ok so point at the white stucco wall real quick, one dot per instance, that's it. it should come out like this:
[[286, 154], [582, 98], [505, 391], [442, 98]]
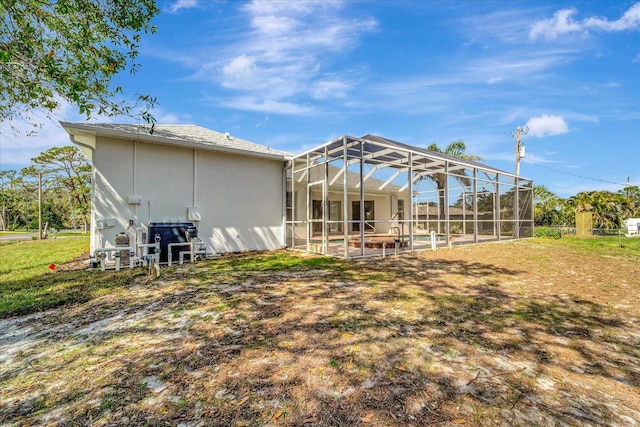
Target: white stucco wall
[[239, 198]]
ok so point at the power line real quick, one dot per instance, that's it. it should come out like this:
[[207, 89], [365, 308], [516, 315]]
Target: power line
[[579, 176]]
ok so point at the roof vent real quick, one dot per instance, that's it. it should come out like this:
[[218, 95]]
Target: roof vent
[[227, 135]]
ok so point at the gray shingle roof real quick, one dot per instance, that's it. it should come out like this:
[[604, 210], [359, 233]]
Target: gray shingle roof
[[190, 135]]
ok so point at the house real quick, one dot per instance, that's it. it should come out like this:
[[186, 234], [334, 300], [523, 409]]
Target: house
[[350, 197], [230, 188]]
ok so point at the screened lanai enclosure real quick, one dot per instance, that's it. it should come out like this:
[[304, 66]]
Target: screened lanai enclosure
[[357, 197]]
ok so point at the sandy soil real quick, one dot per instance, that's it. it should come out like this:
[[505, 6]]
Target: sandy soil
[[523, 333]]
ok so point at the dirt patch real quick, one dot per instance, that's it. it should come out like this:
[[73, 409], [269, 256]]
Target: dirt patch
[[524, 333], [78, 263]]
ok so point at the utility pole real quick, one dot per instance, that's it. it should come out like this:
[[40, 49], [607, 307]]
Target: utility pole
[[519, 147]]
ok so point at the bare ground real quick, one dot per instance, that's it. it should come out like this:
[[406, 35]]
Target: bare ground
[[523, 333]]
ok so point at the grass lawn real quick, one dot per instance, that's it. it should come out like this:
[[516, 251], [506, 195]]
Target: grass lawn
[[536, 332], [29, 285]]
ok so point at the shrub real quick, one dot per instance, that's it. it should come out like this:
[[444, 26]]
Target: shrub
[[547, 233]]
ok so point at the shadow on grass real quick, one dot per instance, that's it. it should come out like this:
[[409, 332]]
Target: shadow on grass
[[337, 343], [53, 289]]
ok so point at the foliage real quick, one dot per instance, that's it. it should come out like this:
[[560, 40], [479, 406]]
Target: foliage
[[72, 174], [548, 208], [631, 195], [66, 182], [546, 232], [609, 209], [18, 198], [70, 50]]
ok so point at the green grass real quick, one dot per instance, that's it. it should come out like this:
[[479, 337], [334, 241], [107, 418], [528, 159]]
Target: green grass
[[21, 260], [273, 261], [625, 247], [70, 234], [27, 285]]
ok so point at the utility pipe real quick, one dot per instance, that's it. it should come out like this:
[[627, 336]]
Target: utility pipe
[[171, 245], [117, 250], [192, 255]]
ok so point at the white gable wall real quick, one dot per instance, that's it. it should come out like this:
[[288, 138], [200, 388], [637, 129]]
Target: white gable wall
[[239, 198]]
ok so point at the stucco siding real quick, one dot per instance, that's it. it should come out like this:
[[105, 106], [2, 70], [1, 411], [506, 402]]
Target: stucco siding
[[239, 198], [113, 166]]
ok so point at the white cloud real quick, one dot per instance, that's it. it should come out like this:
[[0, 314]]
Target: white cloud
[[628, 21], [551, 28], [16, 151], [24, 141], [182, 4], [240, 72], [169, 118], [546, 125], [532, 157], [562, 22], [334, 88], [19, 146], [252, 103], [287, 55]]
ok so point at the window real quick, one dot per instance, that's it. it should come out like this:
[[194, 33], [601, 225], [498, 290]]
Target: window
[[368, 215]]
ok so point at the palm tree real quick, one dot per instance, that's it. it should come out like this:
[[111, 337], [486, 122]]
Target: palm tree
[[546, 206], [455, 149], [608, 209]]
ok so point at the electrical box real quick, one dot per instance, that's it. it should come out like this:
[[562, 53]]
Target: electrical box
[[522, 151], [193, 213], [109, 222], [135, 199]]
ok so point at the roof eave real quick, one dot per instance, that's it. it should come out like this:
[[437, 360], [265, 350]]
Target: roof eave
[[155, 139]]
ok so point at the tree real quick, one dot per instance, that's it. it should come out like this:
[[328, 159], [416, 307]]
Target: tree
[[70, 49], [631, 194], [71, 172], [8, 198], [547, 209], [455, 149], [608, 209]]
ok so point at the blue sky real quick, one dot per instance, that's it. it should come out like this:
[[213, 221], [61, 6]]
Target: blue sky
[[297, 74]]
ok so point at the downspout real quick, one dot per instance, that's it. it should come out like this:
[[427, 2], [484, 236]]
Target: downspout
[[193, 177], [447, 216], [283, 236], [135, 207]]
